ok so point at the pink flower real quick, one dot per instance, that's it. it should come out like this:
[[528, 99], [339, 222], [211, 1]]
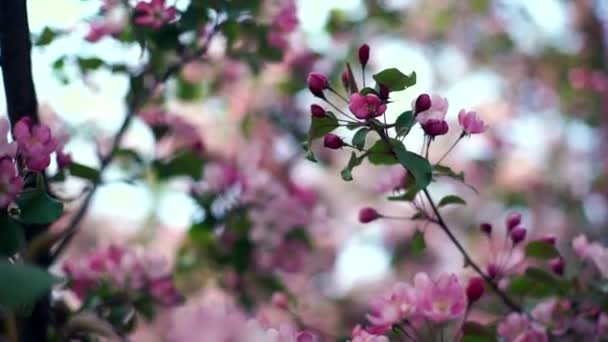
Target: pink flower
[[432, 119], [471, 123], [517, 328], [286, 20], [366, 107], [442, 299], [554, 314], [400, 303], [317, 82], [36, 144], [96, 32], [11, 184], [154, 14], [6, 149], [361, 335]]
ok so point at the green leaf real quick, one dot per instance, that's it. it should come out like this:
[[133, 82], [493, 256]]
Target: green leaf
[[22, 284], [359, 138], [367, 91], [87, 64], [404, 123], [451, 199], [127, 154], [11, 235], [407, 196], [417, 166], [321, 126], [541, 250], [418, 243], [83, 171], [37, 207], [353, 162], [186, 163], [537, 283], [445, 171], [46, 37], [475, 332], [381, 154], [394, 79]]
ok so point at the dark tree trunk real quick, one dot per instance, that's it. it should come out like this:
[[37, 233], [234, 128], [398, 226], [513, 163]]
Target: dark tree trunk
[[15, 57]]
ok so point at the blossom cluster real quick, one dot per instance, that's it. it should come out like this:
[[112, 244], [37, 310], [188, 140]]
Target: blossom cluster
[[33, 146], [123, 270], [283, 23]]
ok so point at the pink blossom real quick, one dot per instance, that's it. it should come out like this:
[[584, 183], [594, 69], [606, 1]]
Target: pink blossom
[[286, 20], [36, 143], [400, 303], [361, 335], [475, 289], [96, 31], [154, 14], [366, 106], [436, 111], [6, 149], [592, 251], [11, 184], [471, 123], [554, 314], [517, 328], [442, 299]]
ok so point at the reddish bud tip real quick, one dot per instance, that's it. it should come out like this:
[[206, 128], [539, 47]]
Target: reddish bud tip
[[333, 141], [317, 82], [475, 289], [364, 54], [423, 102], [435, 128], [383, 92], [550, 239], [486, 228], [280, 300], [518, 234], [558, 265], [317, 111], [513, 220], [344, 79], [368, 214], [492, 270]]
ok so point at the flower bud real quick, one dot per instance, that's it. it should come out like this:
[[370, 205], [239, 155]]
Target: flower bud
[[383, 92], [280, 300], [317, 82], [345, 81], [550, 239], [333, 141], [475, 289], [557, 265], [368, 214], [492, 270], [434, 127], [317, 111], [486, 228], [518, 234], [513, 220], [364, 55], [423, 102]]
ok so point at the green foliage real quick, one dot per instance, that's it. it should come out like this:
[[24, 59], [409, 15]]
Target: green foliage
[[418, 244], [394, 79], [404, 123], [475, 332], [416, 165], [381, 153], [451, 199], [359, 138], [538, 283], [83, 171], [46, 37], [353, 162], [319, 127], [37, 207], [541, 250], [11, 235], [22, 284], [187, 163]]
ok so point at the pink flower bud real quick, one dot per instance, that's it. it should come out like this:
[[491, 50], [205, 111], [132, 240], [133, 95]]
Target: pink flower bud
[[423, 102], [550, 239], [513, 220], [486, 228], [345, 81], [305, 336], [435, 128], [475, 289], [383, 92], [492, 270], [368, 214], [317, 111], [280, 300], [317, 82], [333, 141], [364, 54], [518, 234], [557, 265]]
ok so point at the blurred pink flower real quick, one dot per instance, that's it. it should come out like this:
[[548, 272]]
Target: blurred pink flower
[[471, 123], [518, 328], [286, 20], [366, 106], [154, 14], [6, 149], [361, 335], [554, 314], [436, 111], [96, 31], [442, 299], [11, 184], [36, 143], [389, 309], [593, 252]]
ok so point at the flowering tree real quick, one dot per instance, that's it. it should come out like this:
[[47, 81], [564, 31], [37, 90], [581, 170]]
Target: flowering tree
[[254, 263]]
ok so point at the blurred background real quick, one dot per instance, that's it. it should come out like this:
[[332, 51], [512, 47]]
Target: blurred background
[[535, 71]]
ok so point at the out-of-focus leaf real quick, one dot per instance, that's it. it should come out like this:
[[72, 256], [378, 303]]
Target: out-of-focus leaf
[[418, 243], [541, 250], [394, 79], [186, 163], [451, 199], [11, 235], [83, 171], [46, 37], [37, 207], [475, 332], [22, 284]]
